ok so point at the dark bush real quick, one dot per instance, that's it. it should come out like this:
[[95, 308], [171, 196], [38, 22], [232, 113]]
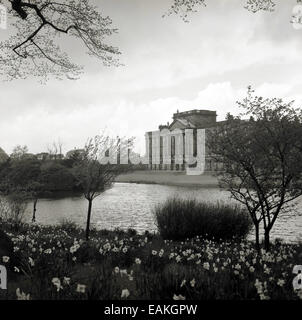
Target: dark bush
[[178, 219]]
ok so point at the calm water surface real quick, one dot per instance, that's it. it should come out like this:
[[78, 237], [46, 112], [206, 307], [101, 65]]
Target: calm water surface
[[129, 205]]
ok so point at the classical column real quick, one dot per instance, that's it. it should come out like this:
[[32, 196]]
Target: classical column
[[200, 167], [189, 147], [165, 134], [179, 145], [155, 149], [148, 159]]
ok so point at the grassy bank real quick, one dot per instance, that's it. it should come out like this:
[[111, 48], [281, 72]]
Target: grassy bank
[[171, 178], [56, 263]]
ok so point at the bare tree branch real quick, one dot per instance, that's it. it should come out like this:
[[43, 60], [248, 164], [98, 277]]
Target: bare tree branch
[[33, 50]]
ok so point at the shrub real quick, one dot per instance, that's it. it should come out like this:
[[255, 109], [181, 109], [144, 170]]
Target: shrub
[[179, 219], [13, 207], [69, 226]]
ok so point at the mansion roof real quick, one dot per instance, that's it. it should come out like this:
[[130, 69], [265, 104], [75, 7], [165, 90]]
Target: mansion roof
[[192, 119]]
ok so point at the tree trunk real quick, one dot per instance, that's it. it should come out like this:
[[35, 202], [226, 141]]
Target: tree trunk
[[257, 236], [266, 239], [88, 218], [34, 210]]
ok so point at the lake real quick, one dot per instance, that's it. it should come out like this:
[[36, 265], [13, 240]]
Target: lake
[[130, 205]]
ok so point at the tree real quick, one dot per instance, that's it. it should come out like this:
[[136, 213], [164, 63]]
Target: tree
[[184, 7], [34, 179], [55, 151], [56, 177], [262, 158], [24, 177], [34, 48], [17, 204], [19, 152], [3, 156], [97, 169]]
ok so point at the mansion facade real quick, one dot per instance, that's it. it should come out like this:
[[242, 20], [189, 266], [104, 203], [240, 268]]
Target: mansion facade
[[181, 145]]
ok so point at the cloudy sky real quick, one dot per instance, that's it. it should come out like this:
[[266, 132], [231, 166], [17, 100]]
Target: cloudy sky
[[168, 65]]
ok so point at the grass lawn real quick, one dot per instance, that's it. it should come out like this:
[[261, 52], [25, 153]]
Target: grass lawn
[[171, 178]]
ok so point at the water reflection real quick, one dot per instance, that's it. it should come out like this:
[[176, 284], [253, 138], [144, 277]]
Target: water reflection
[[130, 206]]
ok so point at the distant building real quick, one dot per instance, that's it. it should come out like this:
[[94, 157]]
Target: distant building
[[29, 156], [3, 155], [58, 156], [167, 148], [48, 156], [42, 156]]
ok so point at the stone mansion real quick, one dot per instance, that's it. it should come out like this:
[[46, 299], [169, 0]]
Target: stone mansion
[[180, 146]]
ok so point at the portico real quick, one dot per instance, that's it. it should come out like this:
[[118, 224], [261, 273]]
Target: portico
[[181, 145]]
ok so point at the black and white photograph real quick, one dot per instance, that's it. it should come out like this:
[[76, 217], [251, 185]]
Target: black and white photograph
[[151, 151]]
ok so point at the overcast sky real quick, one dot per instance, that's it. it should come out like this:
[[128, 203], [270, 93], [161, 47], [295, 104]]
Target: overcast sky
[[168, 65]]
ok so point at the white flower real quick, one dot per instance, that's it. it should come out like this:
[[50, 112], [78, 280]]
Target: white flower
[[107, 246], [280, 282], [125, 293], [125, 250], [252, 269], [138, 261], [31, 262], [154, 253], [21, 295], [178, 258], [171, 255], [74, 248], [81, 288], [66, 280], [192, 283], [183, 283], [123, 272], [116, 270], [299, 294], [206, 266], [179, 297], [237, 266], [5, 259], [57, 283]]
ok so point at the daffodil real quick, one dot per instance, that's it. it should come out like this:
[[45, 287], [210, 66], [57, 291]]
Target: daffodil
[[125, 293], [81, 288], [5, 259]]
